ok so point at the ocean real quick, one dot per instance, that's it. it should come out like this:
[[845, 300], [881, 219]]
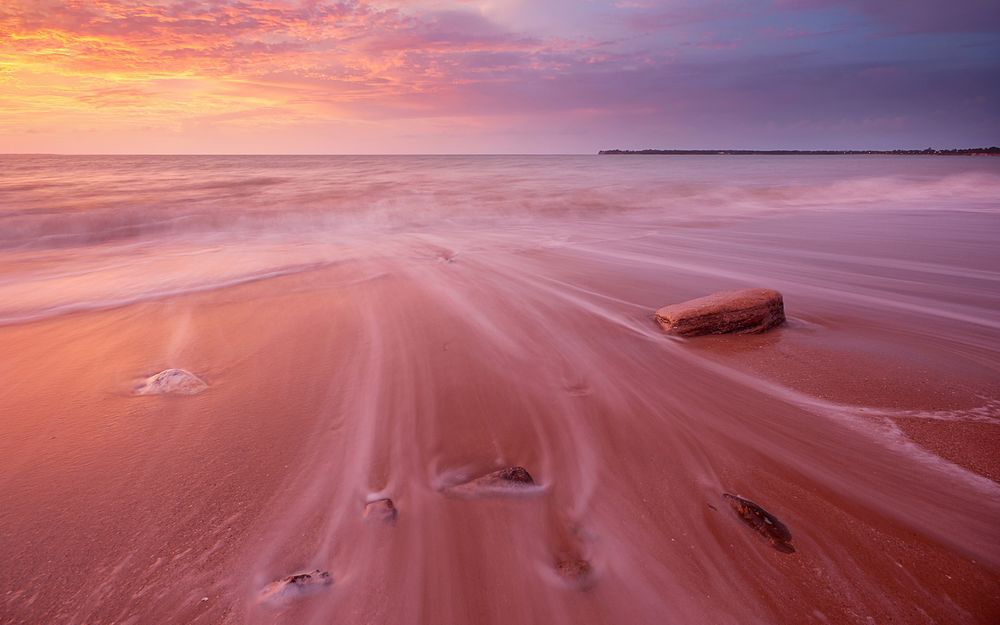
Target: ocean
[[79, 232]]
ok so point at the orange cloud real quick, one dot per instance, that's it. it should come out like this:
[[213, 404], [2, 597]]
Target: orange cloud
[[113, 63]]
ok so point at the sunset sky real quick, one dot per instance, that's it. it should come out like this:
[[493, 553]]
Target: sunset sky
[[430, 76]]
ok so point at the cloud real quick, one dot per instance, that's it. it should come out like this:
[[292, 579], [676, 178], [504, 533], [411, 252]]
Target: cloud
[[915, 16], [396, 68]]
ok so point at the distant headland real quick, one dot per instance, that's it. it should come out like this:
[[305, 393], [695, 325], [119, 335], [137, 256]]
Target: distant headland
[[991, 151]]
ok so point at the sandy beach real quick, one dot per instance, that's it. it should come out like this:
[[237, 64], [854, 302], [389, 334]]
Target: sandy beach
[[401, 365]]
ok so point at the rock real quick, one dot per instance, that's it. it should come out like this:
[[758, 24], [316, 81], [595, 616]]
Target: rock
[[171, 381], [382, 510], [762, 521], [729, 312], [576, 571], [509, 475], [295, 585], [509, 480]]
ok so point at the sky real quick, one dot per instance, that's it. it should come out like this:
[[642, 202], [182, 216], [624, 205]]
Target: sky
[[496, 76]]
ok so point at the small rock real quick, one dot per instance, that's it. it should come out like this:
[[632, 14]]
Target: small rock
[[762, 521], [576, 571], [381, 510], [171, 381], [749, 311], [509, 480], [296, 585], [518, 475]]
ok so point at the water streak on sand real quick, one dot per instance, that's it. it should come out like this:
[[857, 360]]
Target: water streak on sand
[[393, 327]]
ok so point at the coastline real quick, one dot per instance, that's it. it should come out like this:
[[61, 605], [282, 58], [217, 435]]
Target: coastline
[[991, 151]]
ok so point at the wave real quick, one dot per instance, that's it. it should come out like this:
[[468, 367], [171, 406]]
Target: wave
[[80, 206], [79, 234]]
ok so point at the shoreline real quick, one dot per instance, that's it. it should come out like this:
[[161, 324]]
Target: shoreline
[[991, 151]]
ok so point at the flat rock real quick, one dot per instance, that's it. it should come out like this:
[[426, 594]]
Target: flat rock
[[171, 381], [749, 311], [761, 521], [381, 510], [509, 480], [295, 586]]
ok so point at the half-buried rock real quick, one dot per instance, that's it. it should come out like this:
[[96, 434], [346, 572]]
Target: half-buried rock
[[294, 586], [728, 312], [506, 481], [576, 572], [171, 381], [381, 511], [761, 521]]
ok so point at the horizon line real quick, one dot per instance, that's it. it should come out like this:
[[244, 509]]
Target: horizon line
[[594, 153], [298, 153]]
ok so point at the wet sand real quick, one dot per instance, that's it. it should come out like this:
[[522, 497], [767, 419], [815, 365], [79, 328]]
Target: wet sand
[[868, 424]]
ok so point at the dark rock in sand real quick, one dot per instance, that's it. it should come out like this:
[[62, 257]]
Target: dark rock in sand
[[382, 510], [507, 480], [762, 521], [296, 585], [729, 312], [517, 475], [171, 381], [576, 571]]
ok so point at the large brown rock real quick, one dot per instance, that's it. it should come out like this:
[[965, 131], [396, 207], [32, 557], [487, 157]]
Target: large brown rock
[[729, 312]]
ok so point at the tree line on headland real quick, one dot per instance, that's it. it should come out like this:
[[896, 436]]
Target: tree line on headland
[[991, 151]]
